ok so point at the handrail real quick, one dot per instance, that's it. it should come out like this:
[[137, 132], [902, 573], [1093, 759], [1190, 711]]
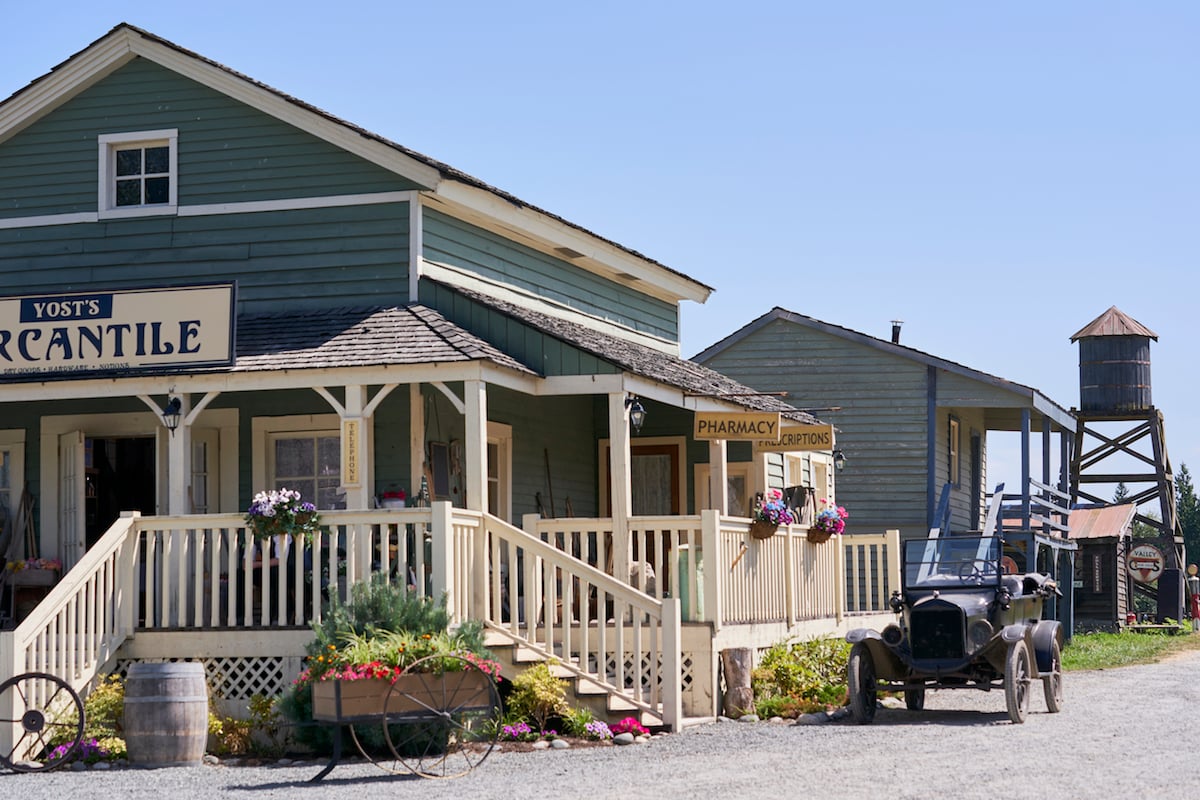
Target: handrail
[[561, 607]]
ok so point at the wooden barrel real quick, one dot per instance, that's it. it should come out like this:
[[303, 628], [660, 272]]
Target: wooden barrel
[[166, 714]]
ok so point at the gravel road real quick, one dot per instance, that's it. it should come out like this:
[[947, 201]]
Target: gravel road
[[1122, 733]]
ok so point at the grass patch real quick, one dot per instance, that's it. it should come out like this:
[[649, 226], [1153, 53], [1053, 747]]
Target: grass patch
[[1108, 650]]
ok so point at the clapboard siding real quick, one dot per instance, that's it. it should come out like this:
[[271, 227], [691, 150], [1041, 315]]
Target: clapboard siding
[[882, 424], [451, 241], [534, 349], [228, 151], [954, 389], [969, 419], [355, 255]]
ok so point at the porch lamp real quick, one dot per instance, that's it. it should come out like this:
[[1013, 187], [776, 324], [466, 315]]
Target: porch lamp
[[170, 414], [839, 460], [637, 414]]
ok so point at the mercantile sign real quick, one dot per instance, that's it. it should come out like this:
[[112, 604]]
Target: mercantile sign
[[119, 331]]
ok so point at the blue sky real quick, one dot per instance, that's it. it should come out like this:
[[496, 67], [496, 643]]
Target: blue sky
[[995, 175]]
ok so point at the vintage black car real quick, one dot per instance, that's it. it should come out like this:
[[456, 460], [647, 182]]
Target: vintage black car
[[964, 622]]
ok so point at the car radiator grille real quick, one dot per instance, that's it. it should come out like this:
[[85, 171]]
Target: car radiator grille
[[937, 633]]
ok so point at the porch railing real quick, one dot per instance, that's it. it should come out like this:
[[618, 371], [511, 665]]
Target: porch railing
[[872, 571]]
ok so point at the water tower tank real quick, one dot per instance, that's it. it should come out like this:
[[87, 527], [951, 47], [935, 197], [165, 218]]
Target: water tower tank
[[1114, 364]]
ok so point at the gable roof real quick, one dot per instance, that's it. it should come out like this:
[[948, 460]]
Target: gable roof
[[639, 359], [1114, 322], [458, 191], [1037, 400]]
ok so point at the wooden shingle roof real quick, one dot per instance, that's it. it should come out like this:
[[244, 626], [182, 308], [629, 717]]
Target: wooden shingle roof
[[1114, 322], [348, 337]]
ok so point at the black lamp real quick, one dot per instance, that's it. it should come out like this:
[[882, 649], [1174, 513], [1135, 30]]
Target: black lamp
[[839, 460], [637, 414], [170, 414]]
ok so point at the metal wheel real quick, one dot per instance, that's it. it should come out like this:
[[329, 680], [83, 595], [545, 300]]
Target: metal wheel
[[442, 717], [1016, 681], [860, 677], [47, 709], [1052, 680]]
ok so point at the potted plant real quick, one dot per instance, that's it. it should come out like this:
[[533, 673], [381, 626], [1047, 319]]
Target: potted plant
[[831, 521], [34, 571], [282, 515], [769, 514]]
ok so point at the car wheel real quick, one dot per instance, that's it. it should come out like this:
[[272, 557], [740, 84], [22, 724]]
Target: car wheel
[[860, 678], [914, 699], [1016, 681], [1052, 680]]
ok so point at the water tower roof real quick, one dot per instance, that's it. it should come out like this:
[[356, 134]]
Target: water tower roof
[[1114, 322]]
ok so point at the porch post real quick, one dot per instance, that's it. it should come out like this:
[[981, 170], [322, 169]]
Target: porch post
[[1026, 425], [416, 440], [475, 479], [356, 434], [672, 678], [718, 475], [710, 547], [441, 532], [621, 490], [179, 471]]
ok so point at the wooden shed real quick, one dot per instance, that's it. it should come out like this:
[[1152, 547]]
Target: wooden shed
[[1102, 585]]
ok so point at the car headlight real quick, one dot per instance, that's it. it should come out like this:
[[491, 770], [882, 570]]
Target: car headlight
[[980, 633], [892, 635]]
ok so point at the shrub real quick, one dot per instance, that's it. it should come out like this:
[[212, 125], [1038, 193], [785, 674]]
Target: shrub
[[103, 725], [537, 695], [797, 677]]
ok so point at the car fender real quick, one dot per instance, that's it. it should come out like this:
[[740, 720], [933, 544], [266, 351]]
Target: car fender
[[859, 634], [1045, 634], [1014, 633]]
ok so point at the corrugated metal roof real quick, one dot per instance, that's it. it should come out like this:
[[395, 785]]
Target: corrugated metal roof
[[1095, 523], [1114, 322]]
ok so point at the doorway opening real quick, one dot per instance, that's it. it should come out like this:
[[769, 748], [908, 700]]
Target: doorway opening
[[119, 475]]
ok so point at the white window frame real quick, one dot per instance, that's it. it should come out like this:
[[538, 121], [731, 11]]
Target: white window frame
[[13, 441], [264, 430], [109, 143], [742, 469], [501, 435]]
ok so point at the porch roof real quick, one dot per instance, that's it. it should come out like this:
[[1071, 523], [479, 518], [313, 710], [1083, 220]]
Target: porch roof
[[639, 359], [349, 337]]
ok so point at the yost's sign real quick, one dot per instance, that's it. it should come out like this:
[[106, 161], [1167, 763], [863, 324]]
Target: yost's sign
[[118, 331]]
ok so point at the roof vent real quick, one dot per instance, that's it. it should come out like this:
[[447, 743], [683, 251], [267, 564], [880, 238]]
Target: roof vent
[[567, 252]]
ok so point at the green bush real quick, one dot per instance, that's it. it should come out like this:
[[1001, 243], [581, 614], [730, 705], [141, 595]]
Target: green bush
[[794, 677], [537, 695]]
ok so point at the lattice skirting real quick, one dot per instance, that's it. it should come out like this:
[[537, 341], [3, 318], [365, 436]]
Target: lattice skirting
[[232, 681]]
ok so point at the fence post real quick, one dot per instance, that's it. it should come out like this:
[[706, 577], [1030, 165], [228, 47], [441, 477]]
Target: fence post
[[672, 679], [893, 560], [714, 566], [441, 530], [839, 569]]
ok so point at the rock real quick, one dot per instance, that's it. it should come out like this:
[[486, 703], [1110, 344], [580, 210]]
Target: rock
[[102, 765], [541, 744], [560, 744], [643, 739], [748, 718], [624, 738], [723, 718], [78, 766], [812, 719], [284, 762], [775, 720], [211, 760]]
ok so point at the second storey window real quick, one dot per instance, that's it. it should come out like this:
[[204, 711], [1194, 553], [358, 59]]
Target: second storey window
[[138, 173]]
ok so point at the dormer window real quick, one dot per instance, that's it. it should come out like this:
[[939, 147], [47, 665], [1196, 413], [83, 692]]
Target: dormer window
[[138, 173]]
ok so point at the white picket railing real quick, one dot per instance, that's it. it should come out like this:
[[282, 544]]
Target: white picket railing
[[600, 628], [872, 571]]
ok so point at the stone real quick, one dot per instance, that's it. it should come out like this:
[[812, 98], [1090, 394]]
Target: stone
[[624, 738], [78, 766], [748, 718], [560, 744], [284, 762], [775, 720], [541, 744], [211, 760], [102, 765]]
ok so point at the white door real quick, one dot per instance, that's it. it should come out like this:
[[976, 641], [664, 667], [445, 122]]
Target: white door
[[72, 526]]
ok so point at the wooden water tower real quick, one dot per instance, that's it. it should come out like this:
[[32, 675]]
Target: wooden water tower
[[1114, 388]]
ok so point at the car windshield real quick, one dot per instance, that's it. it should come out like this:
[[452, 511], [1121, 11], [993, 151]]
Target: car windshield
[[951, 561]]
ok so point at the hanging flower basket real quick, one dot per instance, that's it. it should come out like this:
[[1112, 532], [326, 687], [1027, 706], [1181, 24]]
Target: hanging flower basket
[[817, 536], [762, 530]]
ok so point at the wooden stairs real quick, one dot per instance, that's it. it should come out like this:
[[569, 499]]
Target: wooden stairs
[[581, 691]]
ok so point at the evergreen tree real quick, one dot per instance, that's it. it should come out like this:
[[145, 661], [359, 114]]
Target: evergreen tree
[[1122, 493], [1188, 509]]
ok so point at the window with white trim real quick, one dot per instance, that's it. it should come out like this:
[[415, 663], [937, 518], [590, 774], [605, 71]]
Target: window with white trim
[[12, 475], [138, 173]]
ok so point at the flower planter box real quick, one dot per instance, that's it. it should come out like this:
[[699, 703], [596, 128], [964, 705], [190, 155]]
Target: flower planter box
[[413, 694], [33, 577]]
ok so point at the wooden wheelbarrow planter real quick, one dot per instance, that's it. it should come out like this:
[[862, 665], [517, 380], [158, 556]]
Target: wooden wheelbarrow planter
[[436, 724]]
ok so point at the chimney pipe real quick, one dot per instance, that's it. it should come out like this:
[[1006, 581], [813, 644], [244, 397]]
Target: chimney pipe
[[896, 323]]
